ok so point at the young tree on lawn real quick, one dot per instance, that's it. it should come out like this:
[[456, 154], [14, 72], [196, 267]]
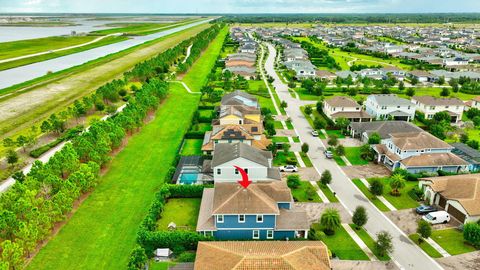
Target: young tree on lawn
[[441, 80], [138, 258], [383, 245], [333, 140], [376, 187], [310, 192], [401, 86], [445, 92], [319, 123], [342, 123], [22, 142], [319, 106], [283, 104], [305, 148], [12, 157], [410, 92], [8, 142], [330, 220], [366, 152], [374, 138], [286, 148], [414, 81], [326, 177], [272, 148], [293, 181], [360, 216], [397, 182], [424, 229], [308, 110], [340, 150]]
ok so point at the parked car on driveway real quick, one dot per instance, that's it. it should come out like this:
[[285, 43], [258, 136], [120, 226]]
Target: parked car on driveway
[[328, 154], [289, 168], [425, 209], [314, 133], [437, 217]]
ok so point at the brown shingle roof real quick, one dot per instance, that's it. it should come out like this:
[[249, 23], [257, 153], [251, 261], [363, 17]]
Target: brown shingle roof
[[418, 141], [464, 188], [341, 101], [437, 159], [292, 219], [262, 255], [429, 100], [358, 114]]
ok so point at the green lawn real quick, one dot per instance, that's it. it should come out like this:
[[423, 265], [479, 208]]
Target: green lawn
[[102, 232], [306, 160], [197, 75], [339, 160], [425, 246], [205, 113], [305, 95], [435, 92], [140, 28], [281, 159], [192, 147], [277, 139], [382, 207], [452, 241], [266, 103], [296, 139], [183, 212], [202, 127], [289, 124], [405, 200], [328, 192], [368, 240], [353, 155], [342, 245], [278, 124], [300, 195], [337, 133]]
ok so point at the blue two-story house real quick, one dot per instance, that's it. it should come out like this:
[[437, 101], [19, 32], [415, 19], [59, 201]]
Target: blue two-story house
[[261, 211]]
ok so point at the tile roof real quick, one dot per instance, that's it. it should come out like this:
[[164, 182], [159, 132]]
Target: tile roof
[[464, 188], [262, 255]]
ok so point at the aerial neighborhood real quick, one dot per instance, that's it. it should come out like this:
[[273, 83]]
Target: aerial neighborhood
[[272, 142]]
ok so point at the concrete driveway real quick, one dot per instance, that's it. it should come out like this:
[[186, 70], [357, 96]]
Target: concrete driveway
[[315, 210], [407, 220], [306, 174], [362, 265], [469, 260], [366, 171]]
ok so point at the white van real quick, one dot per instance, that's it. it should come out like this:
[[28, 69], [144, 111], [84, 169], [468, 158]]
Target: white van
[[437, 217]]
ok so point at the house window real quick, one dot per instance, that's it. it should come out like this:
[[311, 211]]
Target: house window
[[208, 233], [259, 218], [219, 218], [246, 171], [256, 234], [446, 107], [219, 171], [229, 141], [241, 218], [270, 234], [432, 107], [236, 171]]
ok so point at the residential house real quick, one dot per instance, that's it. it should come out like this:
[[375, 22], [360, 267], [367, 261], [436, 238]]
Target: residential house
[[459, 195], [239, 97], [475, 102], [397, 73], [470, 155], [264, 255], [325, 75], [302, 68], [372, 73], [244, 71], [363, 131], [387, 106], [345, 107], [432, 105], [422, 76], [263, 210], [345, 73], [250, 134]]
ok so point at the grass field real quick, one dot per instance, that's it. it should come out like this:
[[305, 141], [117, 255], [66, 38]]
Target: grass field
[[306, 160], [197, 75], [328, 192], [108, 219], [370, 196], [452, 241], [44, 57], [342, 245], [425, 246], [281, 159], [192, 147], [405, 200], [368, 240], [183, 212], [353, 155], [300, 194], [140, 28], [34, 106]]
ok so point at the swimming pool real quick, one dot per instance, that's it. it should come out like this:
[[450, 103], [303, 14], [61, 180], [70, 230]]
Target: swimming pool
[[188, 176]]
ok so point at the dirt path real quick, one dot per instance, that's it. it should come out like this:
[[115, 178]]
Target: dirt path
[[27, 108]]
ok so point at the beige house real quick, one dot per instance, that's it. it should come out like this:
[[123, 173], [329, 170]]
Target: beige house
[[346, 107], [432, 105], [459, 195]]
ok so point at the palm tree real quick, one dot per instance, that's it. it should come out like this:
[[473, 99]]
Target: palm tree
[[397, 182], [330, 220]]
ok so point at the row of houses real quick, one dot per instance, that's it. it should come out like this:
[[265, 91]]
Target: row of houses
[[295, 58], [242, 63]]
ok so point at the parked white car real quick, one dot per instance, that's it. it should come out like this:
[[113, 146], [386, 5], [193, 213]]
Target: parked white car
[[289, 168], [437, 217], [314, 133]]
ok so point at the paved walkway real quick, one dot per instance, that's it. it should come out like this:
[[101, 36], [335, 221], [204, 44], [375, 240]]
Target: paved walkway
[[320, 192], [437, 247], [406, 253], [300, 160], [189, 49], [187, 88], [381, 198], [344, 158], [359, 241]]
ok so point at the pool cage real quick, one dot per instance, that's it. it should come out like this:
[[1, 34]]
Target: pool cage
[[189, 170]]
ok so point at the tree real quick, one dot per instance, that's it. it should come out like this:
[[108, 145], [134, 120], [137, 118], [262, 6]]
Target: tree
[[326, 177], [471, 233], [401, 86], [330, 220], [383, 245], [441, 117], [376, 187], [410, 92], [22, 141], [8, 142], [12, 255], [319, 123], [366, 152], [374, 138], [283, 104], [441, 80], [445, 92], [12, 157], [308, 110], [397, 182], [45, 127], [360, 216], [286, 148], [342, 123], [414, 81], [332, 140], [293, 181], [424, 229], [305, 148], [138, 258], [340, 150]]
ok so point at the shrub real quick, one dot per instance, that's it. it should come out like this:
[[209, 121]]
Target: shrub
[[374, 138], [305, 148], [138, 258], [293, 181], [186, 257], [471, 233], [383, 245], [291, 161], [376, 187], [360, 216], [330, 220], [424, 229], [340, 150], [326, 177]]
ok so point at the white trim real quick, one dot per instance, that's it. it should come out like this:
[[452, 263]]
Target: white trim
[[244, 218], [273, 234], [240, 229], [259, 221], [218, 220], [253, 234]]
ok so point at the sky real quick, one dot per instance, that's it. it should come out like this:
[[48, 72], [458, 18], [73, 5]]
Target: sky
[[239, 6]]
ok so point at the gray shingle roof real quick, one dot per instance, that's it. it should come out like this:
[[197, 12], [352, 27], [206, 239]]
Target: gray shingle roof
[[384, 128], [225, 152], [391, 100]]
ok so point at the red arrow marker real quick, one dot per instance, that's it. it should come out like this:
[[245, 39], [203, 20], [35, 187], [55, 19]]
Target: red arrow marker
[[245, 182]]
